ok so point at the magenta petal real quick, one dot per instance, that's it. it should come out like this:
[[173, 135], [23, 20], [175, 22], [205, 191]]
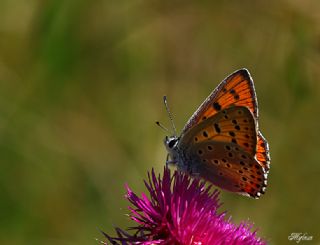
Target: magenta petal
[[180, 210]]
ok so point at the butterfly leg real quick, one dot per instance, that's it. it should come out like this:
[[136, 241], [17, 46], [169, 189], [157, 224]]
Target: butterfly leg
[[196, 175], [192, 170], [168, 161]]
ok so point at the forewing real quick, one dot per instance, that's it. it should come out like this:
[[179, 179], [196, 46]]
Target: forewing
[[237, 89]]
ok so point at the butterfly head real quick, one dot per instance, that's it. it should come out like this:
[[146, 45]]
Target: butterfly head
[[171, 144]]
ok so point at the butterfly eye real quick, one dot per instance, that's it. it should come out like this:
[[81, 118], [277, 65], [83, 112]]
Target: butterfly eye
[[172, 143]]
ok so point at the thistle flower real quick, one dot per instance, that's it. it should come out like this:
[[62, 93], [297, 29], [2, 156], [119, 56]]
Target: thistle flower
[[180, 210]]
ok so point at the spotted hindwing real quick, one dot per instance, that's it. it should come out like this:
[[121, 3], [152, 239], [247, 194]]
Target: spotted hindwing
[[229, 167], [221, 149]]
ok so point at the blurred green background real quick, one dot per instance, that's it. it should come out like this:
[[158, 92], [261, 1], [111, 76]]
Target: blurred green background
[[81, 85]]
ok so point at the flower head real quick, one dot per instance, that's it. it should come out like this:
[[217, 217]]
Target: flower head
[[180, 210]]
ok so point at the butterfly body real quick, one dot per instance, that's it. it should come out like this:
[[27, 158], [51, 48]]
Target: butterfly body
[[221, 141]]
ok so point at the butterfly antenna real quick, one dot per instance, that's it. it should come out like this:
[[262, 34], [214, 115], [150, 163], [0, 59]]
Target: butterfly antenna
[[161, 126], [170, 115]]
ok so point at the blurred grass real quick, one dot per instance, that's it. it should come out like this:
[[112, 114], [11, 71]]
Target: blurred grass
[[81, 84]]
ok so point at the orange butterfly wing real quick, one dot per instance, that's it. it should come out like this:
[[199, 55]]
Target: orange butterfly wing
[[262, 152], [237, 89]]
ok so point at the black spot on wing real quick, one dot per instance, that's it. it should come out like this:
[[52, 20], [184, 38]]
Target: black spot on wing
[[216, 106]]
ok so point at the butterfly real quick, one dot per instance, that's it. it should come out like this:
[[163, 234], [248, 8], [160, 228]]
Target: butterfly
[[221, 142]]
